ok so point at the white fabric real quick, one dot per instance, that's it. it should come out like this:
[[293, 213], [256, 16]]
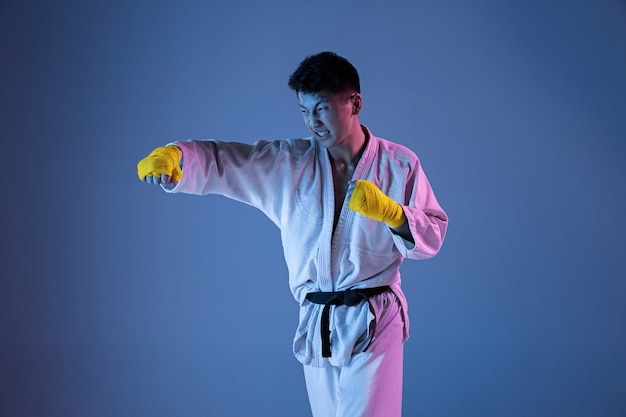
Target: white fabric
[[291, 182], [370, 385]]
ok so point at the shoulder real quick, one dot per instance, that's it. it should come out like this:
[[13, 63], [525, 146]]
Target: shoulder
[[395, 151], [280, 145], [298, 144], [293, 146]]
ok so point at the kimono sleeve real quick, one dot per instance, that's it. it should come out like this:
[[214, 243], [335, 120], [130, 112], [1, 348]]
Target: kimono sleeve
[[427, 220], [250, 173]]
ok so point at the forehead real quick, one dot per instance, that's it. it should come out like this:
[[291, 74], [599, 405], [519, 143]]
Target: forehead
[[313, 99]]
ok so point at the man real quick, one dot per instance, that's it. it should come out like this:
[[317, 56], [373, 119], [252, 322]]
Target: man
[[350, 207]]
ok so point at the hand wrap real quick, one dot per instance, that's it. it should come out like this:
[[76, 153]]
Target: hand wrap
[[163, 160], [368, 200]]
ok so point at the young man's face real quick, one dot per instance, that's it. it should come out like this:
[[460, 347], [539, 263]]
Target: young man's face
[[331, 117]]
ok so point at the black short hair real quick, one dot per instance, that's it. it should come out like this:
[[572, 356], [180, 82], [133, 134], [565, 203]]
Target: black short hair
[[325, 71]]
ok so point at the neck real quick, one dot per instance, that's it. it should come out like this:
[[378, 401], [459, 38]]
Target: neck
[[349, 153]]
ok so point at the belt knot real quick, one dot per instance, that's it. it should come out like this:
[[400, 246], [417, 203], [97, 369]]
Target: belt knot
[[349, 298]]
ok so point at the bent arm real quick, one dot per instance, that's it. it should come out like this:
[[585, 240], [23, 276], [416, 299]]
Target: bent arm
[[423, 233], [404, 231]]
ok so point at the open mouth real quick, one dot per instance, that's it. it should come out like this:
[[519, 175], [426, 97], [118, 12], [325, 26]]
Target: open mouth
[[322, 133]]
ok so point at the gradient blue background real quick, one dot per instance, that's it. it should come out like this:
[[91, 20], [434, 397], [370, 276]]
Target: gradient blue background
[[119, 300]]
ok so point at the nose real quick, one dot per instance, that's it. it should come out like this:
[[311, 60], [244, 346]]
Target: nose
[[313, 121]]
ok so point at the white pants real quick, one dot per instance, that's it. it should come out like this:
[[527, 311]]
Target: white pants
[[370, 385]]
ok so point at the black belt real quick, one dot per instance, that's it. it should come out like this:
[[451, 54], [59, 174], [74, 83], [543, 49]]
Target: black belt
[[337, 298]]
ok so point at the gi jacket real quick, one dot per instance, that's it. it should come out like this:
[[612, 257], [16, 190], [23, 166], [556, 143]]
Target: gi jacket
[[291, 182]]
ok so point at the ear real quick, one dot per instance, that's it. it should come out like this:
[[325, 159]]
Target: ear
[[357, 104]]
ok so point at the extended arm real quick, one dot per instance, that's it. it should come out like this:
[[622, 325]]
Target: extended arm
[[163, 166]]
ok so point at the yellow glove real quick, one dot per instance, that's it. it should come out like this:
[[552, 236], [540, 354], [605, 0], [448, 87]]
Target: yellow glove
[[163, 160], [368, 200]]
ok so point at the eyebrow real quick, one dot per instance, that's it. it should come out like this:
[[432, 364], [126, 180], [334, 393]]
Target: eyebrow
[[317, 103]]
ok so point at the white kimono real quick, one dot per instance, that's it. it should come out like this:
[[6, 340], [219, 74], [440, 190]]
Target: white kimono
[[291, 182]]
